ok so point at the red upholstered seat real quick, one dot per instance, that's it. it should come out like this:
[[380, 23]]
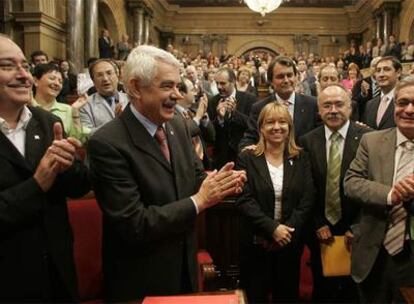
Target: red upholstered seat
[[306, 283], [86, 220]]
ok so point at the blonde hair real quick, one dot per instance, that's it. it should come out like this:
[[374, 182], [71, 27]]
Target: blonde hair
[[279, 110]]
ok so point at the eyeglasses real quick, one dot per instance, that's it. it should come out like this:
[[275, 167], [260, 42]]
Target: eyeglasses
[[403, 103], [11, 66]]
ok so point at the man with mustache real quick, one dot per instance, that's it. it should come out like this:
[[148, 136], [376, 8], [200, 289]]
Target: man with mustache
[[381, 178], [334, 214], [150, 185], [229, 111], [38, 172]]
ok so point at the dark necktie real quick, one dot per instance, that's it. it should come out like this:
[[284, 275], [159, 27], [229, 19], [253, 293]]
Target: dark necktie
[[162, 141]]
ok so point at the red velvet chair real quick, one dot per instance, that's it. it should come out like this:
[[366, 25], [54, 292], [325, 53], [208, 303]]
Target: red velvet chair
[[86, 220]]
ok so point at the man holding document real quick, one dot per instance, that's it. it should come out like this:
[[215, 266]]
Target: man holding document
[[381, 177], [334, 213]]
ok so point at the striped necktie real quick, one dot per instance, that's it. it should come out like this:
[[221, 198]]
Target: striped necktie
[[395, 235], [377, 90], [161, 138], [332, 197]]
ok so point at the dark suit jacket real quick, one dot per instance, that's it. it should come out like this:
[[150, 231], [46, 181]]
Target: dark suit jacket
[[105, 48], [35, 235], [371, 110], [229, 135], [314, 143], [369, 179], [257, 202], [305, 118], [148, 236], [359, 98]]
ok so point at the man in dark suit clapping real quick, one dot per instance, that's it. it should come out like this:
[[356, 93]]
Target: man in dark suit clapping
[[229, 111], [151, 186]]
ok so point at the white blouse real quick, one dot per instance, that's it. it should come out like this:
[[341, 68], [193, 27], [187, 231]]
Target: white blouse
[[276, 175]]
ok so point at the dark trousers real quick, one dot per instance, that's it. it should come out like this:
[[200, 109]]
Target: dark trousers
[[329, 289], [270, 276], [388, 274]]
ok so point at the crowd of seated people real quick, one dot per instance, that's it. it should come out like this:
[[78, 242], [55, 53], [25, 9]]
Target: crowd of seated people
[[218, 99]]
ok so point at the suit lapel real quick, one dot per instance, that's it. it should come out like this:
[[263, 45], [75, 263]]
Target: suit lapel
[[288, 172], [389, 113], [350, 146], [36, 143], [259, 162], [299, 109], [321, 159], [9, 152], [141, 139], [386, 153]]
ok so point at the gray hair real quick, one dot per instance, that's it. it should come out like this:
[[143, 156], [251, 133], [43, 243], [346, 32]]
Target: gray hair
[[405, 82], [143, 61]]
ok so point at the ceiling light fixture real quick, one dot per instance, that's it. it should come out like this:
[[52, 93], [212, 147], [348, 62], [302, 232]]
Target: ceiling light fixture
[[263, 6]]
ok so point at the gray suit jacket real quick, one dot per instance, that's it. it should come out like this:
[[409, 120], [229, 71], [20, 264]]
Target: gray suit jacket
[[369, 180], [97, 112]]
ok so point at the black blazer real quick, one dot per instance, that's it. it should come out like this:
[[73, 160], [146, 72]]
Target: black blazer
[[371, 110], [34, 229], [229, 135], [359, 98], [148, 216], [105, 48], [314, 143], [257, 202], [305, 118]]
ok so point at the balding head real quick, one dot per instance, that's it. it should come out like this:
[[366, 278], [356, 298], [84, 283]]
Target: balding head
[[334, 105]]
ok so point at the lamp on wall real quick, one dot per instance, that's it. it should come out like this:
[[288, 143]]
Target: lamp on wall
[[263, 6]]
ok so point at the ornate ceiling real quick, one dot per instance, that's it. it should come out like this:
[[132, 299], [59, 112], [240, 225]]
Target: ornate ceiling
[[287, 3]]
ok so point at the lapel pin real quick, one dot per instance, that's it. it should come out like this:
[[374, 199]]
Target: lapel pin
[[37, 137], [171, 132], [290, 162], [356, 137]]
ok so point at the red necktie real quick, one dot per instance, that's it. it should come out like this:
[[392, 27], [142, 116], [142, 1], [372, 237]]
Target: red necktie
[[162, 141]]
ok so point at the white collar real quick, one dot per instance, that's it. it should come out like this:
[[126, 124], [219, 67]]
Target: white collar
[[343, 131]]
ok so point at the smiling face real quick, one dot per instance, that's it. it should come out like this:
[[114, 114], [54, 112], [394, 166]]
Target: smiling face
[[386, 75], [404, 111], [284, 80], [15, 78], [334, 107], [275, 129], [157, 100], [49, 85]]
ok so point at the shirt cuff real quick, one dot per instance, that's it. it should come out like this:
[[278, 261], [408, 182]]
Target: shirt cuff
[[389, 203], [195, 205]]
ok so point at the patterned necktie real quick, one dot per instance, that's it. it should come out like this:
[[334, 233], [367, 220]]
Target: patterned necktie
[[381, 109], [162, 141], [395, 235], [332, 197], [376, 91]]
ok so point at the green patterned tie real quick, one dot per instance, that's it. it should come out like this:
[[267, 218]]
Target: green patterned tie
[[332, 197]]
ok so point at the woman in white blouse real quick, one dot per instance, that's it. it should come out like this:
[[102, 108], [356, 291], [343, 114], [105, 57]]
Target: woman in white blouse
[[275, 205]]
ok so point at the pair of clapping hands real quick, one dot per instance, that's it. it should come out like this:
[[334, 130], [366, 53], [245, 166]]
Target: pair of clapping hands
[[218, 185], [403, 190], [226, 105], [57, 158]]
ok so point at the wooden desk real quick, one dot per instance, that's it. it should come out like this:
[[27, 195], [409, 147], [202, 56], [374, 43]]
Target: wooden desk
[[202, 297], [408, 294]]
